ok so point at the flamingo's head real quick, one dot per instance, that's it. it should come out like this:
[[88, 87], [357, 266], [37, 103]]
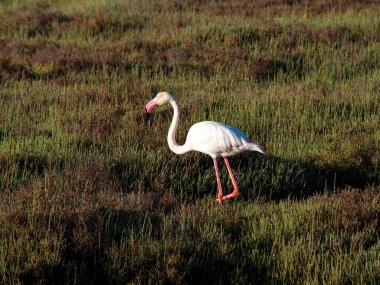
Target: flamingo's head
[[160, 99]]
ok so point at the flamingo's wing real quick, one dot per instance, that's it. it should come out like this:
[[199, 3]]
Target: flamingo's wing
[[216, 139]]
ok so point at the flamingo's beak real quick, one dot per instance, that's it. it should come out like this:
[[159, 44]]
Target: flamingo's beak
[[150, 107], [147, 116]]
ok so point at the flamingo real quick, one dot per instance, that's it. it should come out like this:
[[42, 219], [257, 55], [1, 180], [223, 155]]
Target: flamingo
[[212, 138]]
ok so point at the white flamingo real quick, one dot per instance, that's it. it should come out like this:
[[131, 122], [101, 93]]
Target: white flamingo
[[212, 138]]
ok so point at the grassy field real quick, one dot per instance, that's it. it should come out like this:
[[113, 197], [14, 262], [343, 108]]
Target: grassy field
[[91, 194]]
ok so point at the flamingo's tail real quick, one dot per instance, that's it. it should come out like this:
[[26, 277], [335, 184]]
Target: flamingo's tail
[[256, 147]]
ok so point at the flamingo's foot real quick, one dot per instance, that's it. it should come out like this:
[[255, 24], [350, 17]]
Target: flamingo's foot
[[220, 199], [233, 194]]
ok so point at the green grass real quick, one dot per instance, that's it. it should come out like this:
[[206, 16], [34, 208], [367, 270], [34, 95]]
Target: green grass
[[90, 192]]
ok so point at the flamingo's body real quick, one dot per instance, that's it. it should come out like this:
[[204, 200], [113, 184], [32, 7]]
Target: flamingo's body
[[212, 138], [216, 139]]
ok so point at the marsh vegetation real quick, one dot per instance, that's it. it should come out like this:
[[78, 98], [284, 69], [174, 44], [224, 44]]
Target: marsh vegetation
[[90, 193]]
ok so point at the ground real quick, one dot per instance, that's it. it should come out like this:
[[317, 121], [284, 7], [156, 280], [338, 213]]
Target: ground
[[90, 193]]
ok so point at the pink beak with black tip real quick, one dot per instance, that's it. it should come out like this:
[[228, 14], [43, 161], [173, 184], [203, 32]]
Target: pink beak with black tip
[[150, 107]]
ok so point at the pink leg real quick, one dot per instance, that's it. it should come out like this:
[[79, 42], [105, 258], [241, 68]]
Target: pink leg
[[236, 189], [220, 191]]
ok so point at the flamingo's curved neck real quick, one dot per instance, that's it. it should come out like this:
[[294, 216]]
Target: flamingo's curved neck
[[178, 149]]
